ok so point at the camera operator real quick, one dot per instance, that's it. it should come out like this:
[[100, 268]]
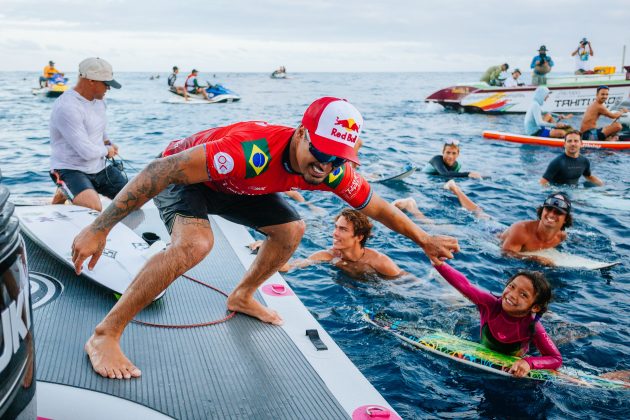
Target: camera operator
[[541, 64], [582, 55]]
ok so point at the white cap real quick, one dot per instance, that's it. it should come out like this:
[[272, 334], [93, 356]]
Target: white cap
[[95, 68]]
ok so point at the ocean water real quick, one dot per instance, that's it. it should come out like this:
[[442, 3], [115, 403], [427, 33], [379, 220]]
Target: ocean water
[[590, 314]]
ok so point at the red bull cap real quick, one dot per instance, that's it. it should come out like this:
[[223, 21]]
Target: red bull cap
[[334, 126]]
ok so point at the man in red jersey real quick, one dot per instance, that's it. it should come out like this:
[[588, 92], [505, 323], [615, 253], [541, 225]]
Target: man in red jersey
[[236, 172]]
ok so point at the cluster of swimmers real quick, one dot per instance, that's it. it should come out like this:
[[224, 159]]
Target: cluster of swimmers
[[509, 323]]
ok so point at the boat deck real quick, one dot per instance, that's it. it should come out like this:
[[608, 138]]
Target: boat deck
[[241, 368]]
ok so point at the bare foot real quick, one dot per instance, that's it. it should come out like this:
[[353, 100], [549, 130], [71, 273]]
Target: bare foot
[[450, 185], [621, 375], [108, 359], [250, 306], [408, 204]]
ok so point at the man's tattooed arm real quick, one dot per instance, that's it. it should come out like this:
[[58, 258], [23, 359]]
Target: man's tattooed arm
[[188, 167]]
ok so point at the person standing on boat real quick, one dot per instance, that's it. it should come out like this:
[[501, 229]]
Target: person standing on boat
[[594, 111], [582, 55], [193, 86], [171, 84], [568, 167], [542, 126], [236, 171], [79, 142], [446, 164], [541, 65], [513, 80], [49, 72], [492, 76]]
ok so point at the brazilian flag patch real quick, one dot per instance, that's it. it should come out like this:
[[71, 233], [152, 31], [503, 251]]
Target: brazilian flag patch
[[257, 157], [334, 178]]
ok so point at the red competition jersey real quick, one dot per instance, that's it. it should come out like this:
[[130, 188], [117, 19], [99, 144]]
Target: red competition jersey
[[253, 158]]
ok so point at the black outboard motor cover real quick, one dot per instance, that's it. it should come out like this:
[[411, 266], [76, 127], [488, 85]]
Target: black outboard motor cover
[[17, 348]]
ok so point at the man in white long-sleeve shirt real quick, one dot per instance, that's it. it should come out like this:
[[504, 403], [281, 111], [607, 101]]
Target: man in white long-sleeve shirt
[[79, 142]]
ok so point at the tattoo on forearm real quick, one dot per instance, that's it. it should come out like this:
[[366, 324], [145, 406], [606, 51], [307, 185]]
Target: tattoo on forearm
[[154, 178]]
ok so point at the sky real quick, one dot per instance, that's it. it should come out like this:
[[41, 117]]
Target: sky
[[308, 36]]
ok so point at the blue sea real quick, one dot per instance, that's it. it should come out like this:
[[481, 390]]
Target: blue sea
[[590, 313]]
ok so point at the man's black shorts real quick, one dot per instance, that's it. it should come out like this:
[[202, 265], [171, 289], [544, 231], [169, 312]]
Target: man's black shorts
[[197, 200], [108, 182]]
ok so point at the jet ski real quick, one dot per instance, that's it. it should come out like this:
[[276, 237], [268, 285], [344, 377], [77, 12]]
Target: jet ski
[[217, 93], [55, 86]]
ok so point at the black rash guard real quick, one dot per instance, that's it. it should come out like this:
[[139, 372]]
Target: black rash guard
[[567, 170]]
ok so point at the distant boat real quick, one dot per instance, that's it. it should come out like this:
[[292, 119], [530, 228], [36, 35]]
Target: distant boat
[[569, 94], [277, 74]]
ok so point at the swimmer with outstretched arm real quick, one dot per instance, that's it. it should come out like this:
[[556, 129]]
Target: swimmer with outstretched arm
[[511, 321]]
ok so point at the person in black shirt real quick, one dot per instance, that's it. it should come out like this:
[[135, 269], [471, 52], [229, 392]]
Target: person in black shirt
[[446, 164], [570, 166]]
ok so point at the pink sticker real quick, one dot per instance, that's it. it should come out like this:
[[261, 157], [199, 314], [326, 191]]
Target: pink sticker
[[277, 290], [374, 412]]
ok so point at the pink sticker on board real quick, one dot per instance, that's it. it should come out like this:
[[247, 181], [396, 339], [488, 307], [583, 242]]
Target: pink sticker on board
[[277, 290], [374, 412]]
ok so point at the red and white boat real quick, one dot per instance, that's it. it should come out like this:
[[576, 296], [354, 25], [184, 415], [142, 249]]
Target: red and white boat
[[568, 94]]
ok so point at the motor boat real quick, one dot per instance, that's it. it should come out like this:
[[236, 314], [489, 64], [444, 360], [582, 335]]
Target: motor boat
[[217, 93], [278, 75], [55, 86], [569, 94]]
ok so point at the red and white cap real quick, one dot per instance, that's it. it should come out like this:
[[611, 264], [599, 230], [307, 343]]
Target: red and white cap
[[334, 126]]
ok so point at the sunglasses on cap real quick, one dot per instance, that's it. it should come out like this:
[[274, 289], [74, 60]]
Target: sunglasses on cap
[[323, 157], [557, 203]]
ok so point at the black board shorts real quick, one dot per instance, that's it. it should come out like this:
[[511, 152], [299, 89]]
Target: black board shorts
[[197, 201], [71, 182]]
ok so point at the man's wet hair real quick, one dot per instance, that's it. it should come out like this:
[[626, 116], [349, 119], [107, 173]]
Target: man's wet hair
[[602, 87], [360, 222], [175, 68], [572, 131], [568, 220]]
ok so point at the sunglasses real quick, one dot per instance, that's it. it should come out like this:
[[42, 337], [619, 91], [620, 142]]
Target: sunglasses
[[557, 203], [323, 157], [451, 142]]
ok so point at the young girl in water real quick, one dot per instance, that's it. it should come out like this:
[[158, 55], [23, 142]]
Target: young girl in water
[[510, 322]]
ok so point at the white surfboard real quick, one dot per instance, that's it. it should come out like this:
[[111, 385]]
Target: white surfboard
[[54, 227], [566, 260], [402, 173]]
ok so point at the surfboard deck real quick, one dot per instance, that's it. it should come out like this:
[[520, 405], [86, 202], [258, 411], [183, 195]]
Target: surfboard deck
[[404, 173], [566, 260], [478, 356], [54, 227]]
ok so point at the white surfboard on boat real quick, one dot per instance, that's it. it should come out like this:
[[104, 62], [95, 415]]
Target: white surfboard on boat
[[54, 227], [566, 260]]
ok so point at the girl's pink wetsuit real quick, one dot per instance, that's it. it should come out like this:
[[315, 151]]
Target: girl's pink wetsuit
[[501, 332]]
